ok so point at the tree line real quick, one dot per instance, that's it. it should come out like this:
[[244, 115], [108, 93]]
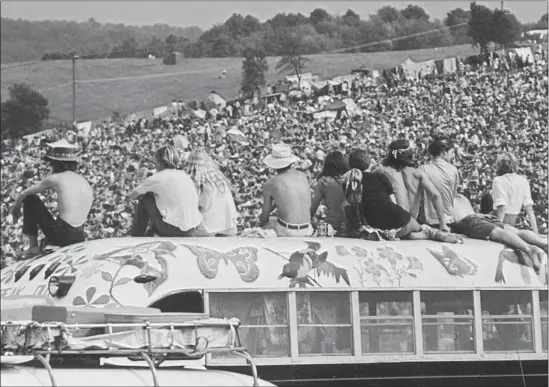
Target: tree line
[[321, 32]]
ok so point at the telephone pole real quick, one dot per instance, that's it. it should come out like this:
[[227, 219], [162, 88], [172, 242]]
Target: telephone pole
[[502, 5], [74, 58]]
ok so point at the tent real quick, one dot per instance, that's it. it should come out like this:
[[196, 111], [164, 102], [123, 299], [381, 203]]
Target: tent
[[84, 128], [525, 53], [160, 111], [173, 58], [219, 102], [304, 77]]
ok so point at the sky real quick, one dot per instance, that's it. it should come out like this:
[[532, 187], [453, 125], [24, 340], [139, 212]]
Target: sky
[[207, 13]]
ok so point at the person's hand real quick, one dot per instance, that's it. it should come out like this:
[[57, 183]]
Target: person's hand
[[16, 211], [444, 228]]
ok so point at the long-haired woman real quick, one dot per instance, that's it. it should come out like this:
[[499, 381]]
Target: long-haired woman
[[216, 203], [329, 190]]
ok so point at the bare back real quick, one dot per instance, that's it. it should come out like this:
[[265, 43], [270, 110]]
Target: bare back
[[291, 192], [74, 196]]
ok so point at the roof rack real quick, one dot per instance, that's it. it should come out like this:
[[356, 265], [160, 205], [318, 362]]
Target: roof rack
[[147, 341]]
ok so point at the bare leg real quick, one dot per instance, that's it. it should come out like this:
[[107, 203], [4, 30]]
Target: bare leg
[[529, 237], [414, 231], [513, 240]]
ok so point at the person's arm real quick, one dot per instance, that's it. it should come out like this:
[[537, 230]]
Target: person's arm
[[529, 208], [317, 197], [142, 188], [267, 206], [435, 197], [41, 187], [500, 202], [205, 199]]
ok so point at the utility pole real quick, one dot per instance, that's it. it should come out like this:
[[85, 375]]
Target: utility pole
[[74, 58], [502, 5]]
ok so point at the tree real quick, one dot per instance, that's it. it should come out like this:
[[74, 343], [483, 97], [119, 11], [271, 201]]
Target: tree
[[389, 14], [319, 15], [480, 26], [505, 28], [458, 17], [24, 112], [351, 18], [171, 42], [254, 68], [414, 12], [293, 59]]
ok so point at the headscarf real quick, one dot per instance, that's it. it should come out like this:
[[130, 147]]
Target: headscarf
[[202, 168]]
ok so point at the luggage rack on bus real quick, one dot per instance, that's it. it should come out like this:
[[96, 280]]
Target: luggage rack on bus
[[152, 342]]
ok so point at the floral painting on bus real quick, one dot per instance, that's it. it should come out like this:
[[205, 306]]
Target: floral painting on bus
[[383, 266]]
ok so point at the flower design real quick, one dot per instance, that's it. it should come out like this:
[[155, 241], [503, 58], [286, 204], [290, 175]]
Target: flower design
[[70, 266], [90, 301], [92, 270]]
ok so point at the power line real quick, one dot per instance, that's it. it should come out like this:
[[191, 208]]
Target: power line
[[393, 39]]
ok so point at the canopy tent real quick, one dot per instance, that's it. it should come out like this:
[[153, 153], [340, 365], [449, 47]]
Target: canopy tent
[[219, 102], [304, 77], [414, 70], [160, 111]]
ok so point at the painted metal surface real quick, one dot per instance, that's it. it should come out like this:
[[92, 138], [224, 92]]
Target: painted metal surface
[[105, 269]]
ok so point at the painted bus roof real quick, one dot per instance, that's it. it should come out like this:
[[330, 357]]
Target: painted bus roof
[[104, 270]]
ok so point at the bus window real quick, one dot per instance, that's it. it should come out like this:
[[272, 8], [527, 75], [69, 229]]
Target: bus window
[[386, 322], [544, 324], [448, 321], [324, 323], [507, 320], [183, 302], [264, 317]]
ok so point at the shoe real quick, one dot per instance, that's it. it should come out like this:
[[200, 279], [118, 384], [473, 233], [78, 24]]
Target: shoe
[[32, 252]]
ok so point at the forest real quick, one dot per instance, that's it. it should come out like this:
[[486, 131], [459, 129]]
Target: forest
[[320, 31]]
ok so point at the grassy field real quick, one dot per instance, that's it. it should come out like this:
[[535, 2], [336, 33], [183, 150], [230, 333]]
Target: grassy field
[[131, 85]]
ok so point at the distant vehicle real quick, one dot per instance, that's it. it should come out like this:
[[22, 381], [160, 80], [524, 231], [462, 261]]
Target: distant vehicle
[[323, 311]]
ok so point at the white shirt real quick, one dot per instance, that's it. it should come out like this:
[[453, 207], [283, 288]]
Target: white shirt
[[218, 210], [513, 191], [175, 196]]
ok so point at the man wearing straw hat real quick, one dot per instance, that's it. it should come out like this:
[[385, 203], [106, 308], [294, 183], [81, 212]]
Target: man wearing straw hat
[[289, 192], [74, 201]]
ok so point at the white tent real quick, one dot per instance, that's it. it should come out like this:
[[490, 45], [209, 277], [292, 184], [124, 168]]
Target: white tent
[[160, 111], [219, 102]]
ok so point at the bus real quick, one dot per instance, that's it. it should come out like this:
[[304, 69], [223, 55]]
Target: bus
[[325, 311]]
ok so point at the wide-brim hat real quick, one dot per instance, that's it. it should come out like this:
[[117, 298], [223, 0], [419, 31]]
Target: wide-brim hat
[[62, 150], [281, 157]]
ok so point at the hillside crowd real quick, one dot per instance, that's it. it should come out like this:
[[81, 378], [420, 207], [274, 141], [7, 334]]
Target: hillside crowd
[[484, 112]]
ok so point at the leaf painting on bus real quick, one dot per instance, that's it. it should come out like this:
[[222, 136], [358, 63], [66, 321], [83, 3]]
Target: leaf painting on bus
[[454, 263], [243, 258], [305, 264], [385, 266]]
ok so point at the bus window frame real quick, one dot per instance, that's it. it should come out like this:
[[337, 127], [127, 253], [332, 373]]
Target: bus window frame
[[410, 322], [511, 319], [459, 319], [418, 356]]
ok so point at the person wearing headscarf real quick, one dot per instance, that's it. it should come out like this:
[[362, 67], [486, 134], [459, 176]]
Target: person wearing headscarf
[[216, 203], [511, 192], [168, 199]]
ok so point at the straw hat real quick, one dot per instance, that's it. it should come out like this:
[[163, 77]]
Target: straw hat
[[281, 156], [62, 150]]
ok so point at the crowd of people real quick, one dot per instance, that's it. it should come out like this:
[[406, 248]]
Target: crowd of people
[[484, 112]]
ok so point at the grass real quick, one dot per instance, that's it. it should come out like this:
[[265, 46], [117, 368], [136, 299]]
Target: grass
[[193, 79]]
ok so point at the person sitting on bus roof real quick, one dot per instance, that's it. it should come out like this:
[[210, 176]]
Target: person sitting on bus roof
[[445, 178], [416, 182], [289, 192], [511, 192], [329, 190], [168, 199], [489, 227], [381, 212], [74, 201], [216, 203]]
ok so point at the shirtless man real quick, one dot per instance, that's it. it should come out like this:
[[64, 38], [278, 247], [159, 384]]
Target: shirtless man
[[289, 192], [74, 200]]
